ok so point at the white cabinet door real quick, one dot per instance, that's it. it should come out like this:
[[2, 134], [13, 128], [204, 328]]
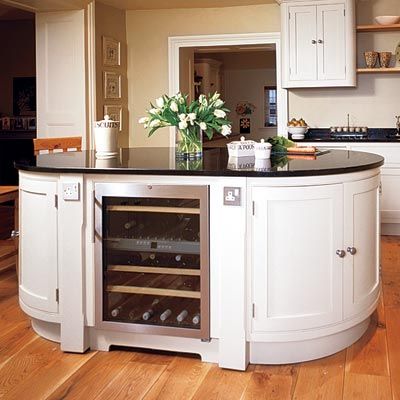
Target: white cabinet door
[[302, 43], [390, 199], [38, 245], [361, 235], [331, 42], [297, 276]]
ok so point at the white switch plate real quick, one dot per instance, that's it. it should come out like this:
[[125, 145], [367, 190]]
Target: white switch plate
[[71, 191]]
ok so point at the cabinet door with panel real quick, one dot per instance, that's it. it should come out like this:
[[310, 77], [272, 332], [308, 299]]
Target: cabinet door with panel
[[297, 275], [38, 245], [361, 240]]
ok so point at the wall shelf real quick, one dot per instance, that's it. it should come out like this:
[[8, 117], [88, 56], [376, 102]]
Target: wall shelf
[[378, 28], [378, 70]]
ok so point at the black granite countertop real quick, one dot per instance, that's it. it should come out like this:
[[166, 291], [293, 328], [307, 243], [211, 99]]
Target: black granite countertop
[[215, 162]]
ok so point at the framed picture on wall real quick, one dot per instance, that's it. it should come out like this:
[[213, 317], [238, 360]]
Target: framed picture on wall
[[112, 85], [115, 113], [111, 52]]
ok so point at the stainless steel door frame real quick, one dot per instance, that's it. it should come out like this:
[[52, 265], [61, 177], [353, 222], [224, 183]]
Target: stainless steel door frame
[[154, 191]]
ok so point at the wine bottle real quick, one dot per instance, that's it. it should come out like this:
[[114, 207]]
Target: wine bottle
[[130, 224], [116, 311], [150, 311], [182, 315], [165, 315], [196, 319]]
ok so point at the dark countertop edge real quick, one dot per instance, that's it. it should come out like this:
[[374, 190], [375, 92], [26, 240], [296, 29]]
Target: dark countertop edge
[[234, 173]]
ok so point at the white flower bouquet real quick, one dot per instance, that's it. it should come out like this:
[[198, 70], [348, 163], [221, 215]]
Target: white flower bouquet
[[207, 114]]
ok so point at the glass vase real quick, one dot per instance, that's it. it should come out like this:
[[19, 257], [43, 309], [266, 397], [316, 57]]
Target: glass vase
[[189, 143]]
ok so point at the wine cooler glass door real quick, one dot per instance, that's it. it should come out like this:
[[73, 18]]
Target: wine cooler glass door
[[152, 258]]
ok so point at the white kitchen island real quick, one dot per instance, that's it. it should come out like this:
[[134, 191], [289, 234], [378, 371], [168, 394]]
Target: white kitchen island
[[292, 261]]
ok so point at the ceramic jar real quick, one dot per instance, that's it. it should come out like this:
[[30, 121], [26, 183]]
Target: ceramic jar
[[371, 57], [106, 137], [262, 150], [242, 148], [384, 58]]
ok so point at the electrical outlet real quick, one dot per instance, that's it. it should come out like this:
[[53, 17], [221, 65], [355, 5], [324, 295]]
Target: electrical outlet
[[232, 196], [71, 191]]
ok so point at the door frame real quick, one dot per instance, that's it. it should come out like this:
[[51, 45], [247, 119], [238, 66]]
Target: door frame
[[176, 42]]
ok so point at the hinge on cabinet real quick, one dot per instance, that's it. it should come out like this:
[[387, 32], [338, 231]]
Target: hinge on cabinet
[[380, 187], [290, 15], [253, 311], [56, 200], [57, 295], [253, 206], [344, 12]]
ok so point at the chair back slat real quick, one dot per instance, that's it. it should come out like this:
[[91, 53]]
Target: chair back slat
[[61, 143]]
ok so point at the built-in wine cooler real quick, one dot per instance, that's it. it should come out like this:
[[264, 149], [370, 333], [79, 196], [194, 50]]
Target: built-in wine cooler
[[152, 259]]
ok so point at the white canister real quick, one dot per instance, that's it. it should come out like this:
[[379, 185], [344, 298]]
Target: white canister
[[262, 150], [106, 137]]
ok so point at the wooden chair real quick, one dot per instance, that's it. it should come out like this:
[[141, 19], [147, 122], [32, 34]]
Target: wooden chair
[[9, 248], [61, 143]]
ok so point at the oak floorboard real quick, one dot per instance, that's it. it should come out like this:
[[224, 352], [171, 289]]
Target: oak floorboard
[[272, 382], [321, 379], [391, 285], [393, 338], [369, 355], [92, 378], [366, 387], [132, 382], [180, 380], [223, 384]]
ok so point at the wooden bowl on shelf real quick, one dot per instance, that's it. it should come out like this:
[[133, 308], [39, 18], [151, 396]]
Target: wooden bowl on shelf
[[387, 19]]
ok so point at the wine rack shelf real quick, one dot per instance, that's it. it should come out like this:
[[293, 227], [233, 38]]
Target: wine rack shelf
[[154, 291], [151, 209], [154, 270]]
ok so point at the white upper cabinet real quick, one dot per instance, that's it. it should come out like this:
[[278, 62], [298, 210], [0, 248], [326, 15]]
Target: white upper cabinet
[[318, 43]]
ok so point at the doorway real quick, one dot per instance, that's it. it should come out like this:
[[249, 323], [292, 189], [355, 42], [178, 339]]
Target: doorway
[[245, 68]]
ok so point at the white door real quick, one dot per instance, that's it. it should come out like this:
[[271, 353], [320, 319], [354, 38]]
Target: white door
[[361, 237], [303, 43], [60, 69], [331, 42], [297, 276], [38, 245]]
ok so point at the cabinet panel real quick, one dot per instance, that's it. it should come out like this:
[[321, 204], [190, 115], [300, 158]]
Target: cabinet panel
[[302, 38], [361, 270], [297, 276], [38, 242], [331, 32], [390, 199]]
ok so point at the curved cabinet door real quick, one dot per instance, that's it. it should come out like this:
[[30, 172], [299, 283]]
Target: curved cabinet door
[[361, 233], [38, 245], [297, 276]]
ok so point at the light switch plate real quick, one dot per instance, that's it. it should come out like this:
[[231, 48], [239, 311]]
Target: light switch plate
[[71, 191], [232, 196]]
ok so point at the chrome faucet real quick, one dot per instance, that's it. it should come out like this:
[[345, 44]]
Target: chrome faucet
[[398, 125]]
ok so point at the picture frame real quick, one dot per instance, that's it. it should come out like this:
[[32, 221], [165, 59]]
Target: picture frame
[[112, 85], [114, 112], [111, 52]]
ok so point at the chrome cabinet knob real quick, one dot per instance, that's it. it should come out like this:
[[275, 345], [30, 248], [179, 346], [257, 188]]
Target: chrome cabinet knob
[[352, 250], [313, 41], [320, 41], [340, 253], [14, 234]]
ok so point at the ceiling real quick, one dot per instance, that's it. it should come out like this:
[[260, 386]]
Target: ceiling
[[165, 4], [12, 14]]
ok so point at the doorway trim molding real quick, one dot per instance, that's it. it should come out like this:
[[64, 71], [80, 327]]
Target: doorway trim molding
[[176, 42]]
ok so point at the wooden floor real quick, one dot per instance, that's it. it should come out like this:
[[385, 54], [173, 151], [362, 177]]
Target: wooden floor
[[33, 368]]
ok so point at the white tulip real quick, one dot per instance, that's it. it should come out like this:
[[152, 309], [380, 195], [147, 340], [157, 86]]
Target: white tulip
[[226, 130], [145, 126], [182, 117], [154, 111], [202, 98], [183, 125], [192, 118], [218, 103], [174, 107], [155, 123], [220, 113], [160, 102], [203, 126], [143, 120], [215, 96]]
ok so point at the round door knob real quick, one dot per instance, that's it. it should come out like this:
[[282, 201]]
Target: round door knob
[[320, 41], [313, 41], [14, 234], [352, 250], [340, 253]]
